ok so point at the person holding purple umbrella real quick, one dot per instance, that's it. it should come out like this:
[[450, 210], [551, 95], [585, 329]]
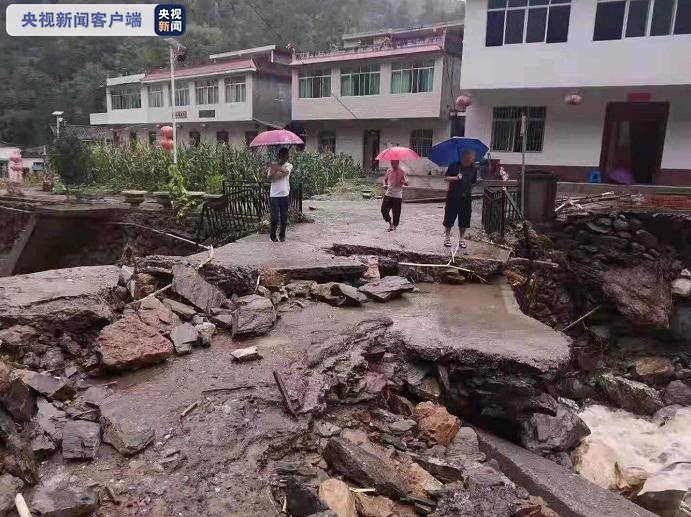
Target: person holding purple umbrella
[[279, 195]]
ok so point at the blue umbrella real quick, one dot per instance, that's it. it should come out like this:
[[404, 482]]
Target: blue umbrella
[[450, 151]]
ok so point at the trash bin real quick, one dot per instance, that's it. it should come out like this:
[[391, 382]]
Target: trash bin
[[540, 196]]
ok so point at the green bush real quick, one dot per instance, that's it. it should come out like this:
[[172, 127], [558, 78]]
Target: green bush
[[70, 158]]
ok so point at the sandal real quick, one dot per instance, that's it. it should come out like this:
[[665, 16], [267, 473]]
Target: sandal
[[462, 244], [447, 242]]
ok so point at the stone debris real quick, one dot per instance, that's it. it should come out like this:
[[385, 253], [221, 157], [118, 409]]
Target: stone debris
[[338, 294], [630, 395], [667, 491], [46, 385], [156, 314], [255, 316], [9, 486], [387, 288], [184, 337], [441, 469], [126, 273], [190, 285], [80, 440], [50, 419], [372, 271], [380, 506], [495, 501], [141, 285], [64, 502], [42, 446], [534, 507], [300, 288], [677, 392], [326, 429], [543, 433], [184, 311], [654, 370], [465, 447], [301, 500], [243, 355], [224, 318], [436, 423], [130, 343], [338, 497], [206, 331], [123, 433], [17, 399]]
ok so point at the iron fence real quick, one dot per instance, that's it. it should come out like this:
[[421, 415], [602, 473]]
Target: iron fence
[[498, 210]]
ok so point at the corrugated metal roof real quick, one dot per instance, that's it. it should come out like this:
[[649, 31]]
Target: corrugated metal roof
[[202, 70]]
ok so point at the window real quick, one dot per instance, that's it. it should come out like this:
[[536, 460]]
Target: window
[[363, 80], [412, 76], [207, 91], [616, 19], [421, 141], [156, 96], [314, 84], [126, 98], [506, 128], [327, 141], [221, 137], [182, 94], [671, 17], [195, 138], [152, 137], [527, 21], [236, 89]]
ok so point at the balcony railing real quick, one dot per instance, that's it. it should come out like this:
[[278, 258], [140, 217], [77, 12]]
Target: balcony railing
[[388, 45]]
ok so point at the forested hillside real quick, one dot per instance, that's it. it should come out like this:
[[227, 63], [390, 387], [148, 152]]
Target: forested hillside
[[41, 75]]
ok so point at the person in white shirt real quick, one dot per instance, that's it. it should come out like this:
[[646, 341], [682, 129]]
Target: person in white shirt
[[279, 196]]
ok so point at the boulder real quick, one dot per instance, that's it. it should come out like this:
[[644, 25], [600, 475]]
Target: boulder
[[654, 370], [447, 471], [65, 502], [338, 497], [184, 337], [681, 287], [255, 316], [483, 475], [666, 491], [417, 478], [154, 313], [436, 423], [543, 433], [80, 440], [122, 432], [640, 294], [677, 392], [326, 429], [206, 332], [352, 295], [596, 462], [387, 288], [190, 285], [9, 487], [301, 500], [364, 468], [184, 311], [630, 395], [129, 343]]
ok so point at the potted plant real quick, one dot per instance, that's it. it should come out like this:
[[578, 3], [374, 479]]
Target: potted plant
[[134, 197]]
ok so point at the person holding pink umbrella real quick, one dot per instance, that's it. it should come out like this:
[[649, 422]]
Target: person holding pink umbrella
[[394, 181]]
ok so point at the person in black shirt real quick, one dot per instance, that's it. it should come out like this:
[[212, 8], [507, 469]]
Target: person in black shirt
[[459, 200]]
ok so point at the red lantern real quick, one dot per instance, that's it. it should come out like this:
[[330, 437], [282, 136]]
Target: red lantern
[[167, 144], [167, 132], [573, 99], [16, 157], [463, 101]]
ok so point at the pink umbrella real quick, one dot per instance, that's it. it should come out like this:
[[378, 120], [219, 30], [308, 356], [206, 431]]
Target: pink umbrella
[[276, 137], [397, 153]]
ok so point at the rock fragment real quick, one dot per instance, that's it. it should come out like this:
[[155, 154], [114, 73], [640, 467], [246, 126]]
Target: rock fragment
[[184, 337], [387, 288], [183, 310], [255, 316], [436, 423], [654, 370], [64, 502], [190, 285], [80, 440], [9, 486], [302, 501], [630, 395], [46, 385], [127, 436], [243, 355], [338, 497], [543, 433], [206, 331]]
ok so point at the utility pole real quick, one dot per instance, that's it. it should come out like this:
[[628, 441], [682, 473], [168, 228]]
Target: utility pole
[[177, 53], [524, 138], [58, 119]]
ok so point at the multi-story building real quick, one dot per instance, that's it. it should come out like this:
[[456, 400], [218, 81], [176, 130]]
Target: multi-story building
[[230, 99], [605, 85], [383, 88]]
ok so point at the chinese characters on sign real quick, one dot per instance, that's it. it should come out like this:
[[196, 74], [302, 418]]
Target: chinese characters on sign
[[80, 19], [169, 20]]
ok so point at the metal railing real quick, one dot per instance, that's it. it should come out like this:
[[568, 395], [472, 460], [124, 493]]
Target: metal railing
[[498, 210]]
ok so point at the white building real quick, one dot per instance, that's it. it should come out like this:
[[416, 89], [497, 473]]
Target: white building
[[231, 99], [628, 60], [383, 88]]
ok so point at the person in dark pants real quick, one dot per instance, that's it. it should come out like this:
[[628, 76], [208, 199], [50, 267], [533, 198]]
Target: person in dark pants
[[394, 181], [279, 195], [459, 197]]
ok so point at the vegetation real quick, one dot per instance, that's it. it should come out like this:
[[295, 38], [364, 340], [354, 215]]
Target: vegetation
[[71, 158]]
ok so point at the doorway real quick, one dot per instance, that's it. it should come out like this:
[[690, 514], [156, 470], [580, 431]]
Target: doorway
[[371, 149], [633, 140]]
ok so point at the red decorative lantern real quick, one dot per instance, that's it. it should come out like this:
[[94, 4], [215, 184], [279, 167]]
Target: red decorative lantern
[[463, 101], [167, 132], [16, 157], [167, 144], [573, 99]]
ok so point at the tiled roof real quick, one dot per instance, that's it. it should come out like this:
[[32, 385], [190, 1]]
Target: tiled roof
[[201, 70]]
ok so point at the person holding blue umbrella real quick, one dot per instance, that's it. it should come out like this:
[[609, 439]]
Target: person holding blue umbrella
[[459, 155]]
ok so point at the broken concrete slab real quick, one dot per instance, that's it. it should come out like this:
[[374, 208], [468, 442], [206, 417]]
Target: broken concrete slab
[[387, 288], [243, 355], [122, 432], [64, 502], [80, 440], [566, 493], [364, 468], [186, 312], [184, 337], [255, 316], [338, 497], [190, 285], [130, 343]]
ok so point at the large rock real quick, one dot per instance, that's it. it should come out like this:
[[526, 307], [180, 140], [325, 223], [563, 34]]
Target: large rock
[[80, 440], [545, 433], [301, 500], [123, 433], [640, 294], [190, 285], [130, 343], [337, 496], [666, 491], [184, 337], [677, 392], [50, 419], [654, 370], [9, 487], [630, 395], [16, 397], [66, 502], [436, 423], [255, 316], [596, 462], [17, 338], [364, 468], [47, 385], [387, 288]]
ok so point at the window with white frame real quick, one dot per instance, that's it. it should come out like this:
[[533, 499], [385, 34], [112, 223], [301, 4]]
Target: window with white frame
[[207, 91], [327, 141], [412, 76], [506, 128], [156, 96], [313, 84], [182, 94], [236, 89], [527, 21], [617, 19], [129, 97], [421, 141], [359, 81]]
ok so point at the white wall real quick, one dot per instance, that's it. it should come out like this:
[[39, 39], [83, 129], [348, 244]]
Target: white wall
[[573, 134], [580, 62], [271, 99], [236, 132]]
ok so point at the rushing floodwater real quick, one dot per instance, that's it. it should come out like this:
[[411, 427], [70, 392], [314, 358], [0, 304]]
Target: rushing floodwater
[[639, 442]]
